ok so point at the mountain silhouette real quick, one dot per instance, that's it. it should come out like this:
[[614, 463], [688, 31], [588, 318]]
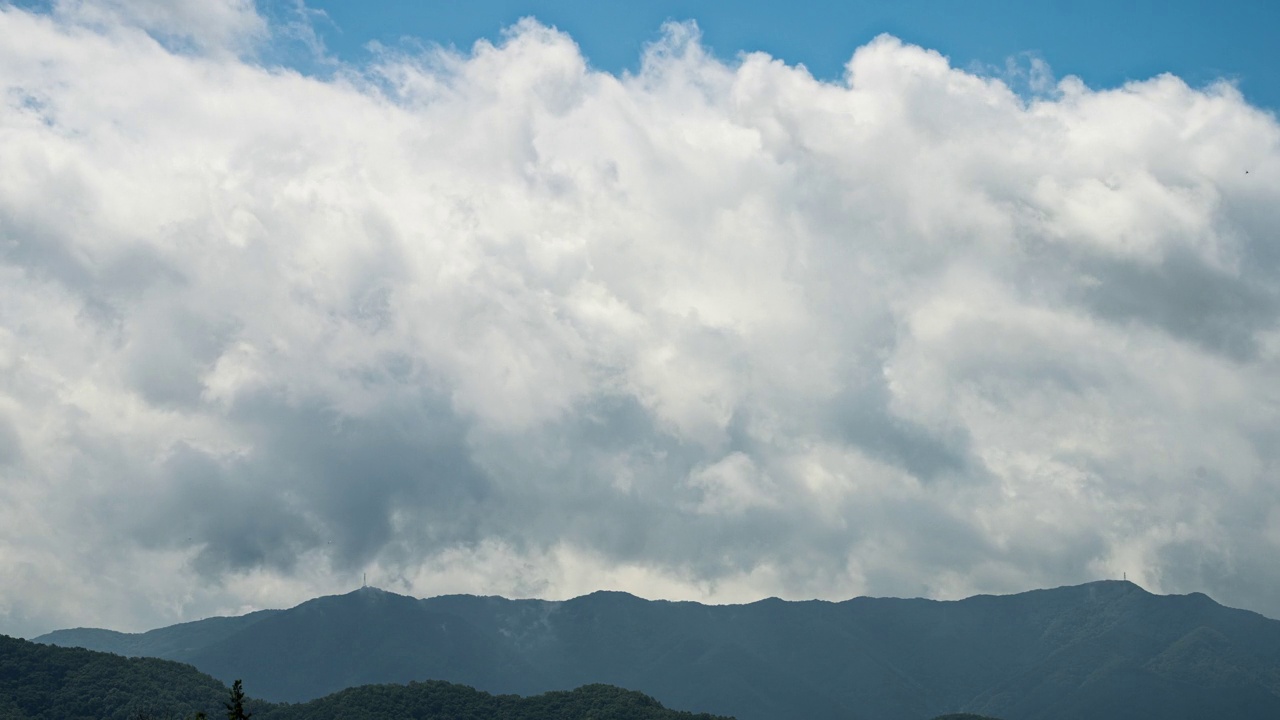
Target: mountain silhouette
[[1101, 650]]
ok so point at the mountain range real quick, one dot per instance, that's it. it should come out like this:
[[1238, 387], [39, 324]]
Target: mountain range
[[1102, 650]]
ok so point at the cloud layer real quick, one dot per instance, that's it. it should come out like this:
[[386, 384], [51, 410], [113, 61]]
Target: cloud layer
[[496, 322]]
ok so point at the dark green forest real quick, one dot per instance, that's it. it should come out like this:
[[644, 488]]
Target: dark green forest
[[42, 682], [50, 683], [436, 700]]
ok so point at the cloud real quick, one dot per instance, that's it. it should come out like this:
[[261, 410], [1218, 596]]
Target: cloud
[[204, 25], [496, 322]]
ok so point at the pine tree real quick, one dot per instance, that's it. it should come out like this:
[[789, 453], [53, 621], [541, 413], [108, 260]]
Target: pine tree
[[235, 706]]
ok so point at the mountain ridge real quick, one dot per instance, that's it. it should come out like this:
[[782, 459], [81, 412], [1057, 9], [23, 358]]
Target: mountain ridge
[[1049, 653]]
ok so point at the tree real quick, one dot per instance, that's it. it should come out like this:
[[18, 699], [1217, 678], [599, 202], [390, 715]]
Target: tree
[[235, 706]]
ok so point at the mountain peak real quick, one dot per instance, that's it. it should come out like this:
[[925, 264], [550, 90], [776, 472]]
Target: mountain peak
[[611, 595], [366, 591]]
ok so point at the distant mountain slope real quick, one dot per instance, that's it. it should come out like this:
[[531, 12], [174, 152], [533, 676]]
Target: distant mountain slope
[[42, 682], [170, 643], [1101, 650]]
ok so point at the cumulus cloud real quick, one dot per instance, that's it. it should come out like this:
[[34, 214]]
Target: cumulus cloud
[[204, 25], [497, 322]]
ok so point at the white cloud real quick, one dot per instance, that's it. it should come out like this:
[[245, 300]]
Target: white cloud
[[206, 25], [496, 322]]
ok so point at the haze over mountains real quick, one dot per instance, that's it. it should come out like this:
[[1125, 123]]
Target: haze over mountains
[[1100, 650]]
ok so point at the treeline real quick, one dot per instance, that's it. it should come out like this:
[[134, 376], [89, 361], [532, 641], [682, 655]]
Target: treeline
[[436, 700], [42, 682]]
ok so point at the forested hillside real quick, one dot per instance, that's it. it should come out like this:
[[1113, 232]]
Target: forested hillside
[[446, 701], [50, 683], [42, 682]]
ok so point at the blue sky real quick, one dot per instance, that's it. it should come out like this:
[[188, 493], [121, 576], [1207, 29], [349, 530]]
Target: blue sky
[[1103, 42]]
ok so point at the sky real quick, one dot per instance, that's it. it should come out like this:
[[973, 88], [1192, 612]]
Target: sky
[[709, 302], [1104, 42]]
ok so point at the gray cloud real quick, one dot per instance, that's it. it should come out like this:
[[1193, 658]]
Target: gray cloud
[[1221, 310], [495, 322]]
